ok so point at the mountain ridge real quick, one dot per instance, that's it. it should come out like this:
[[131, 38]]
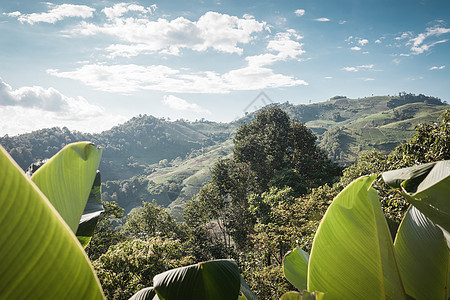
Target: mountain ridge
[[149, 158]]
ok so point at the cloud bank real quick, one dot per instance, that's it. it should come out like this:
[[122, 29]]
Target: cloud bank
[[56, 13], [132, 78], [138, 35], [47, 108]]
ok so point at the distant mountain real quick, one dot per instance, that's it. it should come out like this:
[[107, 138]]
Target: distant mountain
[[148, 158], [136, 147]]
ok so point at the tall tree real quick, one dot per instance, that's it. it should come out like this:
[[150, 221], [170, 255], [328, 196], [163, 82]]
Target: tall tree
[[273, 143], [271, 151]]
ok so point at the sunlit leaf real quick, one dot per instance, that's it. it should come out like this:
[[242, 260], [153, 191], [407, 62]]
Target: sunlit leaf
[[352, 256], [423, 257], [40, 256], [427, 187], [295, 268], [217, 279], [66, 179]]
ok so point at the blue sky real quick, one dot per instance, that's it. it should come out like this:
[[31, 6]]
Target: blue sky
[[89, 65]]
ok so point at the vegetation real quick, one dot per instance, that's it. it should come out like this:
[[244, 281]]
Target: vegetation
[[267, 197]]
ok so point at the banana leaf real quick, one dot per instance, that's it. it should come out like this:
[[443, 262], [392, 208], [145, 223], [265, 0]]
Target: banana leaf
[[217, 279], [352, 255], [40, 256], [66, 179], [423, 257], [145, 294], [295, 268], [427, 187]]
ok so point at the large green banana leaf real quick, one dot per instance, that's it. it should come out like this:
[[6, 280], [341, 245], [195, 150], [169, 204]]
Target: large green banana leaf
[[423, 257], [295, 268], [427, 187], [91, 213], [66, 179], [40, 256], [215, 280], [352, 255]]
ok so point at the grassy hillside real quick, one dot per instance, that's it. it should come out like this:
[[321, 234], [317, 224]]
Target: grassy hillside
[[378, 127]]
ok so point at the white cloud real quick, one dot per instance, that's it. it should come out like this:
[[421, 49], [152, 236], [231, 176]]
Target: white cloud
[[437, 68], [299, 12], [368, 79], [119, 9], [322, 20], [141, 35], [328, 77], [358, 68], [56, 13], [350, 69], [418, 45], [355, 48], [258, 78], [378, 41], [341, 22], [132, 78], [284, 44], [30, 108], [403, 36], [425, 47], [14, 14], [363, 42], [180, 104]]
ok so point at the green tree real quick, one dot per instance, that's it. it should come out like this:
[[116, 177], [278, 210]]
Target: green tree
[[273, 142], [151, 220]]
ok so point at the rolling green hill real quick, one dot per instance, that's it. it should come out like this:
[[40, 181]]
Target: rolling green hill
[[148, 158]]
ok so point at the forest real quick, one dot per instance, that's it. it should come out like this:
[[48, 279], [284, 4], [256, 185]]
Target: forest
[[264, 197]]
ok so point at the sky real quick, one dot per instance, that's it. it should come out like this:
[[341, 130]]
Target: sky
[[90, 65]]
